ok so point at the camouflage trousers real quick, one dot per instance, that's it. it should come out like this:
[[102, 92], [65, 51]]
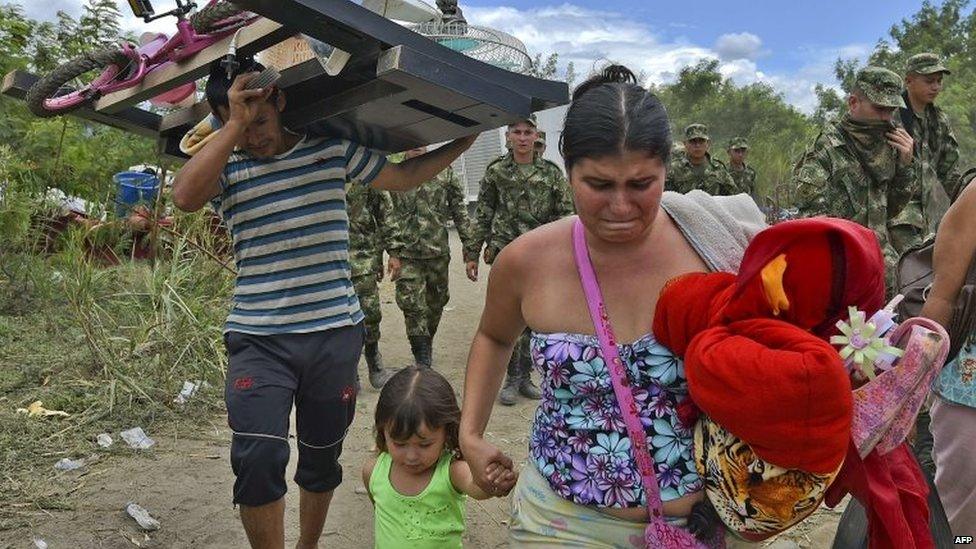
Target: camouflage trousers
[[521, 362], [422, 293], [368, 291]]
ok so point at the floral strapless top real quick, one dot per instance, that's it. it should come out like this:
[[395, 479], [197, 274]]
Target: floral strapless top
[[579, 441]]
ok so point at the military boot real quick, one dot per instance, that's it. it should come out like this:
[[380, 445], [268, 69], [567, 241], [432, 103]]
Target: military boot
[[510, 391], [378, 376], [420, 346], [525, 387]]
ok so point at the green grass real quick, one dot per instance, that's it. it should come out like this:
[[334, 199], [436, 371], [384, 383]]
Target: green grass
[[110, 346]]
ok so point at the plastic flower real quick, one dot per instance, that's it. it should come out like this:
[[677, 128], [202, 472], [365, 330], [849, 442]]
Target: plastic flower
[[862, 343]]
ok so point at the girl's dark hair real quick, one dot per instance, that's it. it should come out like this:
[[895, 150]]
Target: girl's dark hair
[[704, 522], [413, 397], [610, 114], [218, 84]]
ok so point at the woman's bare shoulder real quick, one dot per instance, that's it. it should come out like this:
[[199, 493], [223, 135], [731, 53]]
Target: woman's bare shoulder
[[538, 243]]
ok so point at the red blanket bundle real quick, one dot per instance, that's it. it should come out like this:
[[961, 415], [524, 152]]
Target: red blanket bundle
[[758, 363]]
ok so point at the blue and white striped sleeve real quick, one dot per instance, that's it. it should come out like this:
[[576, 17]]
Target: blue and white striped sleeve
[[362, 164]]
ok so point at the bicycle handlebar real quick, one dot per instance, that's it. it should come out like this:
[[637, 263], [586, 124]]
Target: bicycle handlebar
[[144, 10]]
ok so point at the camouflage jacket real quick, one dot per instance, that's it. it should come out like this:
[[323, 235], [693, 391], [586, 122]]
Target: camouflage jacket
[[712, 176], [367, 208], [744, 179], [936, 160], [831, 180], [511, 203], [417, 222]]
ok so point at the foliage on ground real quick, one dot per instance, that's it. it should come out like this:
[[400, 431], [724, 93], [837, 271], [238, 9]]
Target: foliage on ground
[[111, 346]]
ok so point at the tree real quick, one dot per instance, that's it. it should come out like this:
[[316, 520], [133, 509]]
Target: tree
[[846, 72], [695, 83], [776, 131], [544, 69], [830, 105], [945, 29], [570, 74], [934, 28], [99, 24], [75, 156], [15, 36]]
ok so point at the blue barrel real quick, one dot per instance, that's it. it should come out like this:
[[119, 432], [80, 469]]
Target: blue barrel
[[134, 188]]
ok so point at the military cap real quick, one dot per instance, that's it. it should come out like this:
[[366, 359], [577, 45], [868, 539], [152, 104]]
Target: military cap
[[881, 86], [696, 131], [738, 143], [925, 63], [530, 120]]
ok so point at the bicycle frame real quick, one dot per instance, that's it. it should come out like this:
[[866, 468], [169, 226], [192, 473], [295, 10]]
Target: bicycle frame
[[157, 53]]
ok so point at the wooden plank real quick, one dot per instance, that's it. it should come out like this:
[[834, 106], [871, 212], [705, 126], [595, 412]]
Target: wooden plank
[[444, 85], [184, 118], [355, 29], [412, 100], [336, 105], [303, 83], [133, 120], [339, 23], [168, 148], [257, 36], [421, 92]]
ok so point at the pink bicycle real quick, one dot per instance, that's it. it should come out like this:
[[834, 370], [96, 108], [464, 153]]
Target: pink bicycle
[[125, 65]]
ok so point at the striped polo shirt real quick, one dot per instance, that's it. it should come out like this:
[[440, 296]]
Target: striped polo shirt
[[287, 217]]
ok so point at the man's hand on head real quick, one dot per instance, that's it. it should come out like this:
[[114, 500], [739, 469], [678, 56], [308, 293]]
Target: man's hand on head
[[244, 103], [903, 143]]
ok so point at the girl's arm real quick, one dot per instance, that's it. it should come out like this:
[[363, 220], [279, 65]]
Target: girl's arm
[[463, 480]]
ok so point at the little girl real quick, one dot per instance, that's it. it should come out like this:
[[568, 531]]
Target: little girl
[[417, 483]]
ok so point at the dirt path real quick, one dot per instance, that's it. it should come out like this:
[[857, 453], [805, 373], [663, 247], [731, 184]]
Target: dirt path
[[186, 481]]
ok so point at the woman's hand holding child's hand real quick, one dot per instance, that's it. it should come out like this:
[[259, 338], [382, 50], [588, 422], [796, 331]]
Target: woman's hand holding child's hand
[[502, 479]]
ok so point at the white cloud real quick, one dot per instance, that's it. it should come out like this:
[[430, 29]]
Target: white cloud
[[742, 45], [741, 71], [590, 37], [798, 86]]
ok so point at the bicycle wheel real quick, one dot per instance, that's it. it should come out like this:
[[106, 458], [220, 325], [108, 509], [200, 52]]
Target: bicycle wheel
[[216, 17], [48, 96]]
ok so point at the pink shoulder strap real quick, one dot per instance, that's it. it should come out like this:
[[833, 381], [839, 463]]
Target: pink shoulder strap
[[618, 374]]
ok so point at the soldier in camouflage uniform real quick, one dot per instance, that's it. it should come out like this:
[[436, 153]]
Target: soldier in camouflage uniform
[[936, 162], [519, 192], [742, 174], [936, 149], [696, 169], [540, 143], [861, 168], [416, 239], [366, 207]]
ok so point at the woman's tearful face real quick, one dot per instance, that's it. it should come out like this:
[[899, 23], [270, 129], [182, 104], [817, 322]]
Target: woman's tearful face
[[617, 197]]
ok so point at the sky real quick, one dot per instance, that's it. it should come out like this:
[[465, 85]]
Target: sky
[[789, 44]]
